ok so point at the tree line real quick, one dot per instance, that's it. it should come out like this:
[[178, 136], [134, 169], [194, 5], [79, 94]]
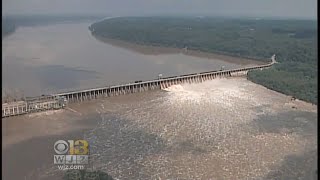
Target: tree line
[[293, 41]]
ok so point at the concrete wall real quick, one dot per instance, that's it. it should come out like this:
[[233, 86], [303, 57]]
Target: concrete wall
[[78, 96], [54, 101]]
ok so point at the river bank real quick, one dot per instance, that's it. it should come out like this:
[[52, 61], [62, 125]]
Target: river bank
[[158, 50], [294, 43], [50, 59]]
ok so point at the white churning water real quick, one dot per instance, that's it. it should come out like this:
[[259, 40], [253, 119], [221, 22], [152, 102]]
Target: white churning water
[[213, 129]]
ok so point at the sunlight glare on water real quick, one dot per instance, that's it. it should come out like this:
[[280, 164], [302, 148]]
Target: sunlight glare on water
[[209, 127]]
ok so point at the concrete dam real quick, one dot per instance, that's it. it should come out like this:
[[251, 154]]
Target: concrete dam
[[60, 100]]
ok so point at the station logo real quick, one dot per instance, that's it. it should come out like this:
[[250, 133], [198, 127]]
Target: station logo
[[71, 152]]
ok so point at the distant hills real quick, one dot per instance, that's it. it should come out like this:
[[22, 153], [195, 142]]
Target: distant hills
[[11, 22]]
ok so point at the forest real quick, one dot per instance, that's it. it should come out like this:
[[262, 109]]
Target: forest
[[293, 41]]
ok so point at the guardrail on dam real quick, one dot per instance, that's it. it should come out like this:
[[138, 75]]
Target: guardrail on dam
[[61, 99]]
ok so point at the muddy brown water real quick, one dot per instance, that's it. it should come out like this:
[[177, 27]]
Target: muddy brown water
[[220, 129], [61, 57]]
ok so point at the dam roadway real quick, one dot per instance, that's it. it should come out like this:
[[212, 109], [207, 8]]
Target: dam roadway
[[161, 83], [60, 100]]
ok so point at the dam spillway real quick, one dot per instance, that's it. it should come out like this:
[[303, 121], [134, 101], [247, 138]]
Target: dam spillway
[[60, 100]]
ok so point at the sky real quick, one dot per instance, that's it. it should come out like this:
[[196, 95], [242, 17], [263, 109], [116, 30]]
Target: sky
[[305, 9]]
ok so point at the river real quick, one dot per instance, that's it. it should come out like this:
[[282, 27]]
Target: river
[[221, 129], [61, 57]]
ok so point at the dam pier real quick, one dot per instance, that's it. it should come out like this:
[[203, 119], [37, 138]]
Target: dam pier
[[60, 100]]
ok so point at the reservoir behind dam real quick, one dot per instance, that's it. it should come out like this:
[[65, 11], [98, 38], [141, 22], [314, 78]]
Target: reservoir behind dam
[[62, 57], [223, 129]]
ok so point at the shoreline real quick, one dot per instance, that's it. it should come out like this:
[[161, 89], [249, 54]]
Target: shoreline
[[157, 50]]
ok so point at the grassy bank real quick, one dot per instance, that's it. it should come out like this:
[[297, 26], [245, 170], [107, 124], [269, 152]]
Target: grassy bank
[[293, 41]]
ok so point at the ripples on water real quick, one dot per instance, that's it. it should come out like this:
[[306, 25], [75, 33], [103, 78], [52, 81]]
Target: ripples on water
[[199, 132], [226, 129]]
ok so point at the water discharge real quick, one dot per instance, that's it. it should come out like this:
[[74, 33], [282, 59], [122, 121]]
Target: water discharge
[[219, 129], [200, 131]]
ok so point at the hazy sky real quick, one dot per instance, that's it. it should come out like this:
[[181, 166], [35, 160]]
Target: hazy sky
[[279, 8]]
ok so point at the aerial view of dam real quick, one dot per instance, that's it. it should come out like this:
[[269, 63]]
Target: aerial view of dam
[[158, 97]]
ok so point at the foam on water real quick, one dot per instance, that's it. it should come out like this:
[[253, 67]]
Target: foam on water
[[217, 91], [207, 127], [184, 93]]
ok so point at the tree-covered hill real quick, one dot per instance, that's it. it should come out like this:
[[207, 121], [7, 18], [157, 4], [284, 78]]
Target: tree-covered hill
[[293, 41]]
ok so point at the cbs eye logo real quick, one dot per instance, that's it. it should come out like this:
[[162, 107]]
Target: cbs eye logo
[[78, 147]]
